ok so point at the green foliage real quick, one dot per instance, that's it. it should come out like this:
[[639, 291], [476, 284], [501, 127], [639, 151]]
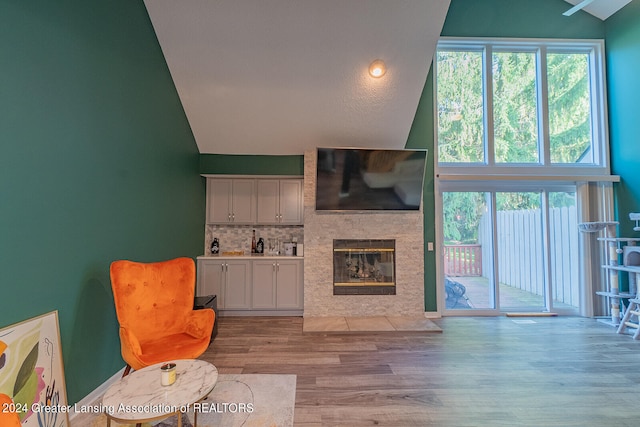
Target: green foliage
[[517, 201], [515, 108], [569, 107], [460, 99], [462, 214], [460, 107], [463, 211]]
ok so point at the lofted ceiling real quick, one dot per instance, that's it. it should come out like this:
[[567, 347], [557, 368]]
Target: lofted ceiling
[[282, 76]]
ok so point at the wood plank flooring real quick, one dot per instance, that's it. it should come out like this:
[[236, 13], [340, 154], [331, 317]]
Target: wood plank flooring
[[493, 371]]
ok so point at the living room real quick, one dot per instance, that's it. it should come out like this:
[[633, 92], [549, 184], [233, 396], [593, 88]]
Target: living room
[[100, 162]]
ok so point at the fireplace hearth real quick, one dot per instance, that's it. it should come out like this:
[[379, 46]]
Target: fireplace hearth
[[364, 267]]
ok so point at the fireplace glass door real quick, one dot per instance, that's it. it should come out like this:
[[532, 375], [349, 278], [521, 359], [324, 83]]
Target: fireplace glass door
[[364, 267]]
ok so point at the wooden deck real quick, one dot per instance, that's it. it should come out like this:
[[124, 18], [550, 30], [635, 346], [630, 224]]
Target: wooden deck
[[493, 371], [477, 296]]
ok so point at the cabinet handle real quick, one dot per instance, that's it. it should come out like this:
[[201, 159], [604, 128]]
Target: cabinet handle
[[233, 217], [274, 266], [278, 267], [229, 216]]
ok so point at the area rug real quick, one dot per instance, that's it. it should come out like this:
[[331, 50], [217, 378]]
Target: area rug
[[239, 400]]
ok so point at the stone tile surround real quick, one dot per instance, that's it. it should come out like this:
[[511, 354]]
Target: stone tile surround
[[319, 231], [238, 237]]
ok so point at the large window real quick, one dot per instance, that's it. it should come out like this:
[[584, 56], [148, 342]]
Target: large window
[[521, 107], [521, 129]]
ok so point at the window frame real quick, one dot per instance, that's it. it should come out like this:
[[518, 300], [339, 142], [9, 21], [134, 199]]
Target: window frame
[[543, 168]]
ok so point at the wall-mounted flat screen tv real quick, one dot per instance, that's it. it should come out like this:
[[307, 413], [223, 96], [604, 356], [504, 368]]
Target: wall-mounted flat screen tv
[[359, 179]]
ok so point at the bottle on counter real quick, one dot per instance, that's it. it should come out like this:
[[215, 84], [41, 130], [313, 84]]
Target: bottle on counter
[[260, 246], [253, 242], [294, 240], [215, 246]]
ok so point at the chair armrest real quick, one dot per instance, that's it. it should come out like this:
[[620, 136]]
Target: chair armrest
[[200, 323]]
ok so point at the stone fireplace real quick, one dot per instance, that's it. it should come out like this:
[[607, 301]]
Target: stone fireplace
[[405, 229], [364, 267]]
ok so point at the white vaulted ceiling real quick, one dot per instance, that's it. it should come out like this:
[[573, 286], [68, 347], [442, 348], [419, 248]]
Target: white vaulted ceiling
[[283, 76]]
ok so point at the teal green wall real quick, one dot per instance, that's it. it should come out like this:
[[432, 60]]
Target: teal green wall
[[422, 136], [623, 86], [519, 18], [97, 163], [251, 165]]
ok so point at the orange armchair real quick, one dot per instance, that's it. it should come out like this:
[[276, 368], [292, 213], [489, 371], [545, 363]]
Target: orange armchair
[[154, 305], [8, 416]]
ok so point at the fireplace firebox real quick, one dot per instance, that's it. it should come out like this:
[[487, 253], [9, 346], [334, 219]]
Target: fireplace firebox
[[364, 267]]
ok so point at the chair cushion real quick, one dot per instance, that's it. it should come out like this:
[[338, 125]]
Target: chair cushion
[[173, 347]]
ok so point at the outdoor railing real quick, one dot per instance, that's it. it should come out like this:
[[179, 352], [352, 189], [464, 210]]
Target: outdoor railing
[[463, 260]]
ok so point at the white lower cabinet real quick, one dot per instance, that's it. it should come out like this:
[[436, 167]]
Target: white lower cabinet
[[258, 286], [277, 285], [230, 280]]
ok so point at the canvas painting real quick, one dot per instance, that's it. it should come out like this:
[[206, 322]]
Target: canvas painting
[[31, 372]]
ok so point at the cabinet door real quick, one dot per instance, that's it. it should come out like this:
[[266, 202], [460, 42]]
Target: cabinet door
[[211, 274], [289, 285], [268, 209], [237, 287], [219, 200], [291, 201], [264, 285], [243, 204]]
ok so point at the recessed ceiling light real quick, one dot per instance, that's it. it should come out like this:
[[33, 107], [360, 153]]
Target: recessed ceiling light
[[377, 68]]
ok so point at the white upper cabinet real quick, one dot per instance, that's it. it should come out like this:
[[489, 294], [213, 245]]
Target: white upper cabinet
[[280, 201], [231, 201], [261, 201]]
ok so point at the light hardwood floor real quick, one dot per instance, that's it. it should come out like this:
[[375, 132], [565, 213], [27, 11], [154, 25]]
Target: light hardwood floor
[[493, 371]]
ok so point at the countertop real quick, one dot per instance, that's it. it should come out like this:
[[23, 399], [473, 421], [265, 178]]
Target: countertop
[[250, 257]]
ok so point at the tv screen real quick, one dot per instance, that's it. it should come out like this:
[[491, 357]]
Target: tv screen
[[358, 179]]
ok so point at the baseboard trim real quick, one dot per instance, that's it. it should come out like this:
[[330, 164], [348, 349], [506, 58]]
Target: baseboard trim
[[534, 314], [90, 398], [261, 313]]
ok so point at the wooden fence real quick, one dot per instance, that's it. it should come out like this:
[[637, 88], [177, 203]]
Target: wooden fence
[[520, 253]]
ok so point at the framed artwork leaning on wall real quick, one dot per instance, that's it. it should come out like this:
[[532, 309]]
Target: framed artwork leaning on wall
[[32, 372]]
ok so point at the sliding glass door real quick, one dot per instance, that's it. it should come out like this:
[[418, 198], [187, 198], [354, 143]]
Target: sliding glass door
[[520, 237], [509, 251], [468, 251]]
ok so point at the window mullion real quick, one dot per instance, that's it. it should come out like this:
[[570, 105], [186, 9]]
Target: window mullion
[[599, 131], [495, 277], [544, 150], [546, 252], [487, 82]]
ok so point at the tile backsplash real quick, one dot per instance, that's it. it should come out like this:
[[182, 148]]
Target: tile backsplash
[[238, 237]]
